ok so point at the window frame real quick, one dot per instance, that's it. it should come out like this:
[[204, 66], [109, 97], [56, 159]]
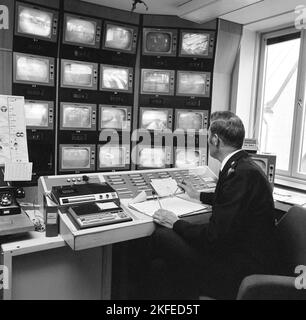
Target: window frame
[[299, 115]]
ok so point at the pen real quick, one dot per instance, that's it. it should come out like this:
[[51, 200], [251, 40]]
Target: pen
[[183, 182], [154, 194]]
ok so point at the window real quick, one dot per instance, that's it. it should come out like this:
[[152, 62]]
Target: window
[[282, 122]]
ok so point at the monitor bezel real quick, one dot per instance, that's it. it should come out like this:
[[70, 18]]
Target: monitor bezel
[[202, 153], [52, 73], [173, 47], [95, 70], [211, 39], [171, 84], [54, 27], [130, 78], [135, 32], [98, 31], [169, 118], [204, 114], [92, 162], [208, 81], [93, 116], [128, 111], [168, 151], [127, 156], [51, 116]]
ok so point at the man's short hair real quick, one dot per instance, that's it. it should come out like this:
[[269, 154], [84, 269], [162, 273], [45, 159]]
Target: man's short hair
[[228, 127]]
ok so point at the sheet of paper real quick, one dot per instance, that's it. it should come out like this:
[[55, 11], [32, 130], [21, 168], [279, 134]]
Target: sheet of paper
[[18, 171], [165, 187], [177, 205], [141, 197]]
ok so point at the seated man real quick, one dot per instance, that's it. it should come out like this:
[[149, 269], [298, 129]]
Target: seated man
[[212, 259]]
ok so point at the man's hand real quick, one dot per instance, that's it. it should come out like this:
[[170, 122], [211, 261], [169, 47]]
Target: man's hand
[[190, 190], [165, 218]]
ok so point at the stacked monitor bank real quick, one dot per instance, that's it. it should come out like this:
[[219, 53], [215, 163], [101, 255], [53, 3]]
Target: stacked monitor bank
[[78, 75]]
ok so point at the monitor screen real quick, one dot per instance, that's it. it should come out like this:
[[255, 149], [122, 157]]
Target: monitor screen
[[192, 83], [115, 78], [157, 81], [152, 158], [190, 120], [34, 22], [36, 114], [118, 37], [154, 119], [158, 42], [81, 31], [114, 118], [262, 163], [33, 69], [75, 158], [76, 116], [111, 156], [78, 74], [187, 158], [194, 44]]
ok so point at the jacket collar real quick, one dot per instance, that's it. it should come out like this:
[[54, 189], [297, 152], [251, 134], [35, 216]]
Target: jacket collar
[[233, 161]]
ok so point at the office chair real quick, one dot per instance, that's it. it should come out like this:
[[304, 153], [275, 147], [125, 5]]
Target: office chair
[[291, 236]]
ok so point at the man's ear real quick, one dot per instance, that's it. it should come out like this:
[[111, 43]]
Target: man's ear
[[215, 140]]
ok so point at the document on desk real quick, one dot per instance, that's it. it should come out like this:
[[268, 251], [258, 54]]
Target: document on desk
[[165, 187], [177, 205]]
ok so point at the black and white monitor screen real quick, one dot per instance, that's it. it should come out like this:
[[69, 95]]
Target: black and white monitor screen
[[36, 114], [194, 44], [152, 158], [113, 118], [158, 42], [191, 83], [118, 37], [190, 120], [76, 116], [78, 74], [154, 119], [34, 22], [115, 78], [187, 158], [32, 69], [75, 158], [155, 81], [111, 156], [80, 31]]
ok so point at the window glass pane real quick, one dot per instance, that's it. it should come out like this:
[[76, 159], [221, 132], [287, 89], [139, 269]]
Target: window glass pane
[[302, 168], [279, 99]]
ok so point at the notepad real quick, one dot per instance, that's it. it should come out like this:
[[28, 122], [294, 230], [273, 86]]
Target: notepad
[[177, 205], [165, 187]]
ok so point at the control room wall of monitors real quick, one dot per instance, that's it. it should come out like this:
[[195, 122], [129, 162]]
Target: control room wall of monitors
[[193, 83], [77, 157], [39, 114], [78, 116], [119, 37], [157, 82], [149, 157], [115, 117], [36, 22], [82, 31], [111, 156], [186, 119], [155, 119], [159, 42], [116, 79], [185, 158], [33, 69], [79, 74]]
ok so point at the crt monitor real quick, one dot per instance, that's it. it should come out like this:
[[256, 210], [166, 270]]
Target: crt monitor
[[267, 162], [155, 119], [120, 37], [81, 31], [79, 74], [159, 42], [78, 116], [186, 119], [115, 117], [193, 84], [77, 157], [116, 78], [196, 44], [39, 114], [157, 82], [36, 22], [33, 69], [113, 157], [189, 158], [149, 157]]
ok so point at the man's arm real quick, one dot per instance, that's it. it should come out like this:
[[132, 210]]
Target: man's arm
[[207, 197]]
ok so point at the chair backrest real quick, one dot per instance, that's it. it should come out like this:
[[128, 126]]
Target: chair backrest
[[291, 234]]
